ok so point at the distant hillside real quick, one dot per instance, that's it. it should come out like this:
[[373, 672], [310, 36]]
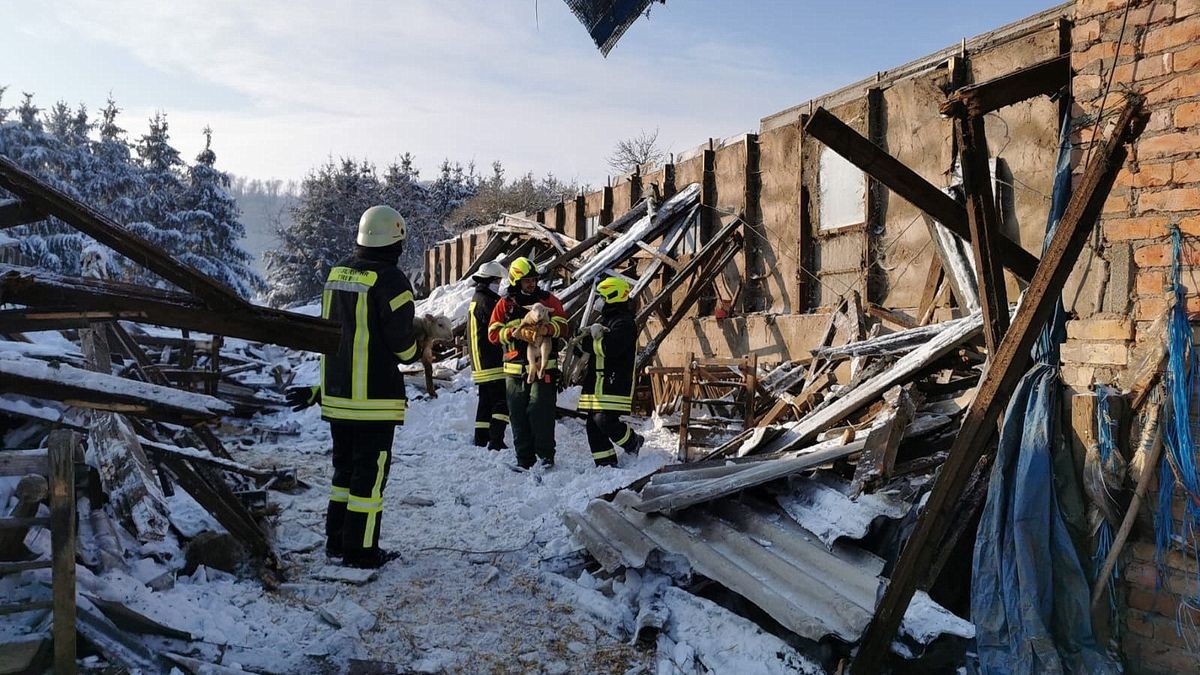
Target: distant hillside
[[265, 204]]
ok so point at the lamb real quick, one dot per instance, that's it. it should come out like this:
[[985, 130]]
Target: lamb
[[430, 329], [538, 351]]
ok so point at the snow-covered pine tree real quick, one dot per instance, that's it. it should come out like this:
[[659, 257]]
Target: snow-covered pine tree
[[111, 184], [403, 190], [210, 221], [155, 195], [48, 244], [324, 223]]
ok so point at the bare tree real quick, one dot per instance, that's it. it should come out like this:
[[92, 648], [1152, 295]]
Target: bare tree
[[637, 151]]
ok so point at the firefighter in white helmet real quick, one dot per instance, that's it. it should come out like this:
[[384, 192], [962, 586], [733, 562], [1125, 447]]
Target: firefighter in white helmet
[[361, 390], [487, 359]]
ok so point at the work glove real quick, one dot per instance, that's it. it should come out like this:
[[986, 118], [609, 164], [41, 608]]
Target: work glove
[[527, 333], [597, 331], [302, 397]]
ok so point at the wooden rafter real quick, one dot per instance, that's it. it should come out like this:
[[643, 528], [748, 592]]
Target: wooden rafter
[[1040, 79], [1007, 367]]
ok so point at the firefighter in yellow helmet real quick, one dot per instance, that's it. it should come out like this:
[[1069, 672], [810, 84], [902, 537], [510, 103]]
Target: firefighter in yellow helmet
[[531, 405], [361, 391], [609, 382]]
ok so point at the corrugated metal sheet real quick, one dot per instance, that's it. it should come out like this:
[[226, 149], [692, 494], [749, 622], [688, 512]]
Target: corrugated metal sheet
[[763, 555]]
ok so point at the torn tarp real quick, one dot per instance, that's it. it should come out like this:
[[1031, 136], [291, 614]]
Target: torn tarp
[[607, 20]]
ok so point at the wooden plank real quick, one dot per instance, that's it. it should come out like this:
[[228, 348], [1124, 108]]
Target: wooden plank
[[14, 212], [21, 462], [40, 289], [1006, 369], [910, 186], [18, 607], [211, 492], [98, 391], [46, 198], [602, 233], [984, 222], [903, 371], [977, 100], [685, 273], [933, 279], [892, 316], [879, 453], [61, 451]]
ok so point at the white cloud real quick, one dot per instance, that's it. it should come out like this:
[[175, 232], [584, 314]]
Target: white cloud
[[465, 80]]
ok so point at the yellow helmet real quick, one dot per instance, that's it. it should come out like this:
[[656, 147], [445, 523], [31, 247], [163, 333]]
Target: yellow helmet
[[520, 268], [613, 289], [381, 226]]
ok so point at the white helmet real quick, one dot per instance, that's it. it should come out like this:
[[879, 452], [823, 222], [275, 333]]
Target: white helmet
[[381, 226], [491, 270]]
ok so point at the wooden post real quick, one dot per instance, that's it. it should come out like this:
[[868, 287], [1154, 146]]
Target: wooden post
[[635, 186], [876, 206], [30, 492], [447, 260], [685, 406], [581, 232], [984, 222], [804, 246], [669, 189], [708, 218], [1007, 368], [751, 374], [62, 542], [753, 298], [214, 366], [606, 206], [560, 217]]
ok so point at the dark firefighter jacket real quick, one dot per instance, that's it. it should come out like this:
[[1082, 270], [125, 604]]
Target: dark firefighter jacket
[[487, 359], [608, 384], [373, 301], [506, 318]]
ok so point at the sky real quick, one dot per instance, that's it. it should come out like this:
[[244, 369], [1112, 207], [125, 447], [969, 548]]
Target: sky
[[286, 85]]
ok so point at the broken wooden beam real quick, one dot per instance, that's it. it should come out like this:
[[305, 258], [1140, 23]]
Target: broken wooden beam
[[14, 212], [910, 186], [46, 198], [30, 492], [46, 290], [60, 451], [977, 100], [879, 453], [984, 221], [1008, 366], [98, 391]]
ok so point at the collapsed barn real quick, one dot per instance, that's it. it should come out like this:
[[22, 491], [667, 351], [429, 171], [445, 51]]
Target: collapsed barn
[[852, 270], [828, 320]]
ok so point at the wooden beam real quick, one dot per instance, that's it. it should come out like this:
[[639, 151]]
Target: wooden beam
[[1007, 368], [976, 100], [910, 186], [61, 452], [684, 273], [984, 222], [14, 212], [46, 198], [30, 492], [40, 289]]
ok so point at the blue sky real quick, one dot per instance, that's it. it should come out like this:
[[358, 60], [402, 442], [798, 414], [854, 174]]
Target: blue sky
[[287, 84]]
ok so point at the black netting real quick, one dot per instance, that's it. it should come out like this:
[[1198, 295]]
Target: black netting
[[607, 20]]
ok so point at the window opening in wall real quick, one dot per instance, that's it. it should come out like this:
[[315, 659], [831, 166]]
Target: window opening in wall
[[843, 192]]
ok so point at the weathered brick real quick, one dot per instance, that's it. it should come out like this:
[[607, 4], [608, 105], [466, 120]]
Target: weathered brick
[[1167, 660], [1150, 282], [1085, 33], [1139, 623], [1118, 202], [1186, 115], [1144, 69], [1167, 145], [1146, 175], [1081, 377], [1184, 8], [1160, 120], [1152, 255], [1148, 600], [1140, 575], [1100, 329], [1142, 16], [1185, 59], [1144, 227], [1179, 86], [1177, 199], [1086, 8], [1149, 309], [1182, 33], [1190, 225], [1104, 353], [1186, 171]]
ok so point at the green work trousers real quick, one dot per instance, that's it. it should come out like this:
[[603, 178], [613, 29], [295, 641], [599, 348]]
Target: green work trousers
[[531, 411]]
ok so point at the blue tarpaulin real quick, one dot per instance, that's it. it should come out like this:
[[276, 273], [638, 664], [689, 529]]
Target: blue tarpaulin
[[1029, 594]]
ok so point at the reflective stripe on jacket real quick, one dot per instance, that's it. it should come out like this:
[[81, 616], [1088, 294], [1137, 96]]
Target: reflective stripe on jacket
[[506, 318], [486, 358], [373, 302], [608, 384]]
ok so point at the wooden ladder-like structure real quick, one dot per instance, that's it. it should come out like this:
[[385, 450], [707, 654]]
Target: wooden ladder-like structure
[[57, 465], [722, 384]]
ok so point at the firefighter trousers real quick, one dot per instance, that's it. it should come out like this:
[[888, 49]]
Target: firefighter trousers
[[491, 415], [531, 410], [362, 457], [604, 429]]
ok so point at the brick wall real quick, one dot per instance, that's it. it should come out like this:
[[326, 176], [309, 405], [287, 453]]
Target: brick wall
[[1158, 58]]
